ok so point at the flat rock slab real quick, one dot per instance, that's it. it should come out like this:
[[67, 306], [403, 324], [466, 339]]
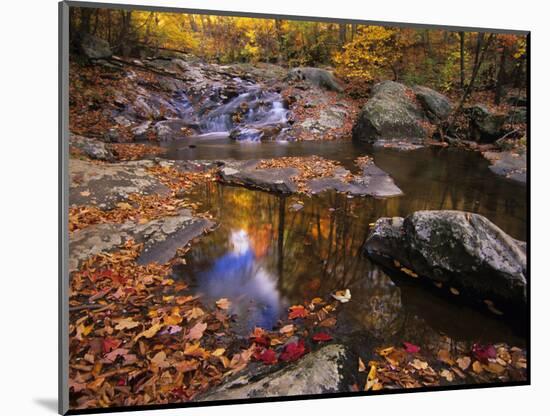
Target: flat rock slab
[[104, 185], [509, 164], [161, 237], [372, 181], [319, 372]]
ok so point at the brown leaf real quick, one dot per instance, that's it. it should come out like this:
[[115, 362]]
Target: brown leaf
[[196, 332]]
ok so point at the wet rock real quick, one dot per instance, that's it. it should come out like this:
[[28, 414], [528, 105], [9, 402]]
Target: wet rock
[[95, 48], [161, 238], [372, 181], [246, 134], [319, 372], [485, 126], [329, 119], [107, 184], [271, 180], [319, 77], [511, 164], [436, 105], [171, 129], [459, 249], [390, 114], [93, 148], [140, 131]]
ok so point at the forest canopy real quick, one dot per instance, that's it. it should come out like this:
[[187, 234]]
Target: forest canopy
[[443, 59]]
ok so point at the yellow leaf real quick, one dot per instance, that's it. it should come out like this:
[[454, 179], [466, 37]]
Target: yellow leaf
[[125, 323], [149, 333]]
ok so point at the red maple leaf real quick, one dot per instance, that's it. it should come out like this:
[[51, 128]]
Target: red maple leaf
[[260, 337], [483, 352], [297, 311], [268, 357], [110, 344], [293, 351], [411, 348], [321, 337]]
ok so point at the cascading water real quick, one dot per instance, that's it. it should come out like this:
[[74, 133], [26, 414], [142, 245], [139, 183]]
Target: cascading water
[[250, 116]]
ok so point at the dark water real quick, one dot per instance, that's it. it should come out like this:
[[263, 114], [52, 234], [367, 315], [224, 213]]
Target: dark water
[[266, 256]]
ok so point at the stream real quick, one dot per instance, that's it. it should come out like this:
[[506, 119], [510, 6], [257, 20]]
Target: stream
[[269, 253]]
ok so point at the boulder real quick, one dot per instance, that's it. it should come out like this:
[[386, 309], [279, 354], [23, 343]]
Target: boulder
[[372, 181], [517, 100], [436, 105], [319, 372], [485, 126], [517, 115], [93, 148], [459, 249], [95, 48], [390, 114], [319, 77]]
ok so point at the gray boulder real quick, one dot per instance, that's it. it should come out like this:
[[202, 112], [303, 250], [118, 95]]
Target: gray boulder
[[319, 77], [436, 105], [319, 372], [95, 48], [485, 126], [93, 148], [390, 114], [459, 249]]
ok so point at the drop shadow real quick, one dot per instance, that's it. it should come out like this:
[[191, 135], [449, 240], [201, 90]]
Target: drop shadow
[[49, 404]]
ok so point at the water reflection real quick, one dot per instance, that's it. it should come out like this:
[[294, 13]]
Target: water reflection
[[240, 276], [266, 256]]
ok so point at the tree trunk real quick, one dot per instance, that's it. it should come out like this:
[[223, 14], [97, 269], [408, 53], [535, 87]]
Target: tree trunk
[[479, 58], [461, 60], [341, 34], [123, 39], [501, 76]]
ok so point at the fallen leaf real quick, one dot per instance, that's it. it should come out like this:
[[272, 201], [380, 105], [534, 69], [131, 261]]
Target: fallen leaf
[[113, 355], [328, 323], [321, 337], [362, 368], [194, 313], [411, 348], [196, 332], [195, 350], [160, 360], [149, 333], [223, 303], [110, 344], [419, 365], [268, 357], [297, 311], [445, 356], [476, 366], [484, 352], [125, 323], [287, 330], [293, 351], [495, 368], [464, 362], [447, 375], [342, 296]]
